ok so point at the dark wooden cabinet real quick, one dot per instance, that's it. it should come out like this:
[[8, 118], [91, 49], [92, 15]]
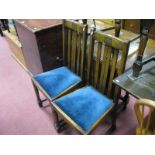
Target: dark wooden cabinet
[[152, 31], [41, 42], [132, 25]]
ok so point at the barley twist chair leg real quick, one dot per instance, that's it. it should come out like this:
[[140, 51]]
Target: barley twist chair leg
[[113, 117], [59, 125], [113, 124], [37, 95], [56, 120]]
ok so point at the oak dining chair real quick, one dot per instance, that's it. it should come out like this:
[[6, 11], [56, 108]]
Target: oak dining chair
[[86, 107], [59, 81]]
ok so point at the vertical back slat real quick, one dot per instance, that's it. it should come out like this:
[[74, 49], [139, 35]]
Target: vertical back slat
[[73, 51], [112, 70], [105, 77], [90, 58], [78, 54], [83, 52], [97, 65], [104, 57], [75, 54], [64, 43], [122, 62], [105, 72], [69, 48]]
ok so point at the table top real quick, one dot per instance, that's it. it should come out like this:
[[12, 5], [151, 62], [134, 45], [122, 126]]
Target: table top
[[36, 25], [124, 35], [141, 87]]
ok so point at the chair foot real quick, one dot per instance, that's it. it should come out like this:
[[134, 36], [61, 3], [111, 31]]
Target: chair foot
[[40, 102], [111, 129], [60, 126], [113, 121]]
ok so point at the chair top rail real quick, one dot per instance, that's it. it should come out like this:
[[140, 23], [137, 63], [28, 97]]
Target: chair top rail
[[75, 26], [110, 40]]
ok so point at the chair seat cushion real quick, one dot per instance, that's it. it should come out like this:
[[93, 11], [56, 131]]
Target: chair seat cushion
[[84, 106], [56, 81]]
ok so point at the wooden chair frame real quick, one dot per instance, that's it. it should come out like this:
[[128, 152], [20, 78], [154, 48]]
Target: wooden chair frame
[[117, 45], [76, 126], [144, 122], [67, 59], [76, 34]]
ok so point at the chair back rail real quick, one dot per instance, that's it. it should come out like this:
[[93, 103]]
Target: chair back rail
[[74, 46], [111, 54]]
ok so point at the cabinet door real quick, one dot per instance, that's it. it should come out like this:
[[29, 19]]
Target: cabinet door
[[50, 47]]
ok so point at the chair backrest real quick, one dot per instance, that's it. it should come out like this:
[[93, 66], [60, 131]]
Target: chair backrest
[[145, 112], [117, 27], [74, 46], [106, 58]]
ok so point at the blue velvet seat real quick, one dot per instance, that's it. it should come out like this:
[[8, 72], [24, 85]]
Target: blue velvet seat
[[84, 107], [56, 81]]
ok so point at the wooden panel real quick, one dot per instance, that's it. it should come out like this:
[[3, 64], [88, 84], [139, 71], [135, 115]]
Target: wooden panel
[[132, 25], [73, 50], [90, 59], [124, 35], [99, 24], [107, 21], [69, 49], [78, 54], [74, 35], [97, 64], [15, 47], [49, 43], [152, 31], [41, 43], [106, 68], [35, 25], [30, 49]]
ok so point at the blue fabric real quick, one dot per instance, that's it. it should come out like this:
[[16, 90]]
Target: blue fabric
[[56, 81], [84, 106]]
